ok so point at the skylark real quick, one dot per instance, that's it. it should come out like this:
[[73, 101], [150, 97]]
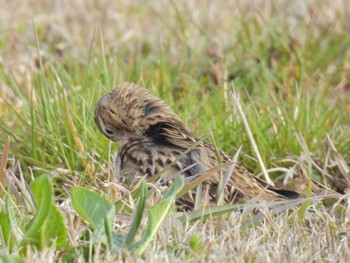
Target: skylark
[[155, 140]]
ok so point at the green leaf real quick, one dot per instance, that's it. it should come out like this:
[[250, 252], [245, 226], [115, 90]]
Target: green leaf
[[11, 259], [303, 209], [48, 224], [99, 213], [138, 215], [157, 215], [108, 227], [105, 228], [72, 253], [118, 241], [54, 228], [12, 221], [195, 241], [43, 193], [5, 231], [90, 206]]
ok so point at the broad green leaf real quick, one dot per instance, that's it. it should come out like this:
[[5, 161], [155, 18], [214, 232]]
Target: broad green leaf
[[157, 215], [118, 241], [11, 259], [43, 194], [90, 206], [99, 213], [48, 224], [104, 228], [54, 228], [138, 215]]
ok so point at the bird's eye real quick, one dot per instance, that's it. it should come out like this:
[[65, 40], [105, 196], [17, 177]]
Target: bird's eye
[[109, 130]]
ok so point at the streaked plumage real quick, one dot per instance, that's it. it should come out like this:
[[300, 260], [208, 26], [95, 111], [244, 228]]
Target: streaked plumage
[[154, 137]]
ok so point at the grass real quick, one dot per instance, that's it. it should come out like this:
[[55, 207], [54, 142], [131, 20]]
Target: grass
[[289, 63]]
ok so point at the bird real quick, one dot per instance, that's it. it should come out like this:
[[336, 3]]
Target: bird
[[154, 140]]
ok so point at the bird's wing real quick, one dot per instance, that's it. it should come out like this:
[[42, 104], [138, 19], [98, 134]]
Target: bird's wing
[[171, 133]]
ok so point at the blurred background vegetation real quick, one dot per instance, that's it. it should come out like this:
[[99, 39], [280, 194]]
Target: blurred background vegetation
[[289, 61]]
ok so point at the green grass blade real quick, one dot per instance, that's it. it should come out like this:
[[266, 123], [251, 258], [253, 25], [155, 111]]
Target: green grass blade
[[195, 182], [138, 215], [12, 221], [157, 215]]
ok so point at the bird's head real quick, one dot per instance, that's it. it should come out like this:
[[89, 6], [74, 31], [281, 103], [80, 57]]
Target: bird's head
[[130, 111]]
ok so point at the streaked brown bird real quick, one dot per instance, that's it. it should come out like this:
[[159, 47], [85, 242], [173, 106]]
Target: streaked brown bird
[[153, 138]]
